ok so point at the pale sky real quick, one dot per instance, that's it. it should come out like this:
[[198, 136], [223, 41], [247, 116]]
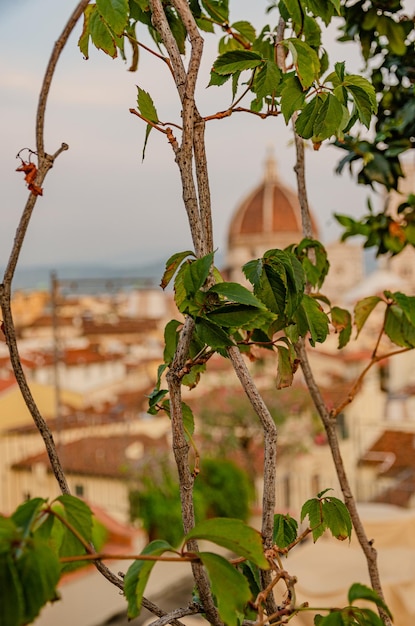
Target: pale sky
[[101, 204]]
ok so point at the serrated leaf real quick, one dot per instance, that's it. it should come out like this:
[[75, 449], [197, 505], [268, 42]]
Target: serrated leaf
[[364, 97], [101, 35], [8, 533], [286, 368], [285, 530], [83, 41], [79, 516], [236, 293], [360, 592], [342, 322], [312, 510], [397, 327], [311, 318], [292, 97], [282, 282], [236, 61], [237, 316], [187, 414], [316, 268], [171, 338], [137, 576], [305, 122], [305, 60], [213, 335], [406, 303], [234, 535], [146, 106], [217, 9], [245, 29], [253, 271], [329, 119], [229, 586], [363, 309], [267, 79], [337, 518], [26, 514], [115, 13], [196, 273], [172, 265], [39, 571], [11, 593]]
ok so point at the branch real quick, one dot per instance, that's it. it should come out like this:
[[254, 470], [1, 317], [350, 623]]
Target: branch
[[330, 428], [50, 70], [270, 459], [184, 154], [192, 609]]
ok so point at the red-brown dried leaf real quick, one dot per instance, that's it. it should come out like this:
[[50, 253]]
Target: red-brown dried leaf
[[30, 171]]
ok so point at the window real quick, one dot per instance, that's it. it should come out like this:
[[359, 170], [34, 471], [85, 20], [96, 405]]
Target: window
[[79, 491]]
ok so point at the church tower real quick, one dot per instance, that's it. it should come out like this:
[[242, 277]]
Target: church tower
[[269, 217]]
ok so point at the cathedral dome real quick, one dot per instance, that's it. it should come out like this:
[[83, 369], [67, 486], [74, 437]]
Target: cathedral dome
[[269, 217]]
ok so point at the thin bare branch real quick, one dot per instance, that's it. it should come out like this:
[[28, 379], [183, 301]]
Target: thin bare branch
[[50, 70], [270, 459], [349, 500]]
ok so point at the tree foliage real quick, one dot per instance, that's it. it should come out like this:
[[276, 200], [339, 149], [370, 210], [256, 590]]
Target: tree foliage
[[282, 71]]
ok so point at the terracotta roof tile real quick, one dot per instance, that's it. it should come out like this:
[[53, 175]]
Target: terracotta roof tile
[[99, 456]]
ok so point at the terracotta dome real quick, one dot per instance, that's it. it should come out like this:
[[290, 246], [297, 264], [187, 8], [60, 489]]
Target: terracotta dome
[[271, 212]]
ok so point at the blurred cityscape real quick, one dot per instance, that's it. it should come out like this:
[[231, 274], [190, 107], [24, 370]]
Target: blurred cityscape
[[90, 348]]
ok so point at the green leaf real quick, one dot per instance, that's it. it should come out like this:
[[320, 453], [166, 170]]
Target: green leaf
[[285, 530], [315, 268], [305, 60], [101, 35], [236, 293], [171, 338], [146, 106], [305, 122], [398, 328], [337, 518], [115, 13], [329, 119], [286, 367], [292, 97], [234, 535], [364, 97], [236, 61], [360, 592], [187, 414], [229, 586], [313, 509], [79, 516], [137, 576], [217, 9], [213, 335], [39, 571], [267, 79], [196, 273], [245, 29], [237, 316], [11, 593], [342, 322], [8, 534], [311, 318], [363, 309], [27, 514], [337, 6], [172, 265], [406, 303], [281, 282], [83, 41]]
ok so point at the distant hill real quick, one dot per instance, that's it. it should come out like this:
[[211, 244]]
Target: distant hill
[[89, 275]]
